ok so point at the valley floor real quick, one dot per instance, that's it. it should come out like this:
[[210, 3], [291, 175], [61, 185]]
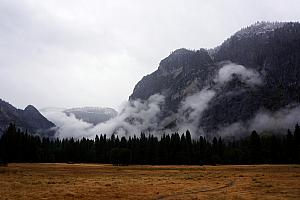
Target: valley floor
[[92, 181]]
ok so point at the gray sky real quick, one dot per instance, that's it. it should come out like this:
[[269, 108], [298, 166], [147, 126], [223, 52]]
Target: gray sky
[[69, 53]]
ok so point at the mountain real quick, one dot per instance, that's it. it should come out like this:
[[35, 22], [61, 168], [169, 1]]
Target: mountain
[[182, 73], [265, 51], [93, 115], [29, 119]]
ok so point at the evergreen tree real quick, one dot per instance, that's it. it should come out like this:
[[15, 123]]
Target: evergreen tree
[[255, 148], [19, 146]]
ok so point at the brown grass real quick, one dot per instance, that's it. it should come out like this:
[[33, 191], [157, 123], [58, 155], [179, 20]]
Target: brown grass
[[89, 181]]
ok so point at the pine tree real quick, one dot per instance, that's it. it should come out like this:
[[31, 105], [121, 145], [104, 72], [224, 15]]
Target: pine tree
[[290, 147], [255, 148], [297, 142]]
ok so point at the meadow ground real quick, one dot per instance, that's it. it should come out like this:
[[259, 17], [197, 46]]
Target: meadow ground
[[92, 181]]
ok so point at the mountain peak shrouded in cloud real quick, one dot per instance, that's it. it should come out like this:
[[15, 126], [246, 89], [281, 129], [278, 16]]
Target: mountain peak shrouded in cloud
[[245, 79], [228, 92], [74, 53], [93, 115]]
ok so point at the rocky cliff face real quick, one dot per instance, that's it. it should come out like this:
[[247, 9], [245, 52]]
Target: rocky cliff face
[[182, 73], [29, 119], [270, 51]]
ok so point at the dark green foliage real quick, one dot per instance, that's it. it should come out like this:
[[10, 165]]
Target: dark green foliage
[[17, 146], [255, 148], [120, 156]]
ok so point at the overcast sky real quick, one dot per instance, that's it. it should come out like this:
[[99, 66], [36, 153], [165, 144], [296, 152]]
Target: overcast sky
[[70, 53]]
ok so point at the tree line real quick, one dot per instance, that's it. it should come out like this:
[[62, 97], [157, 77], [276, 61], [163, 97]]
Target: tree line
[[18, 146]]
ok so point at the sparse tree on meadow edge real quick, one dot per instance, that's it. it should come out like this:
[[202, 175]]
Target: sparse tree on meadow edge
[[297, 142], [297, 133], [255, 148], [290, 146]]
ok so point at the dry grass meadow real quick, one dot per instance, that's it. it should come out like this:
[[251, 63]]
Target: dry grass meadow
[[92, 181]]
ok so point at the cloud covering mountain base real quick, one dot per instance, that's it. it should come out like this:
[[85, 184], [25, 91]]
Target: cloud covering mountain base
[[146, 116]]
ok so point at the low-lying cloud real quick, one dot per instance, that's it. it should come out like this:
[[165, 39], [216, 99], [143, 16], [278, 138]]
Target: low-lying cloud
[[191, 110], [280, 120], [145, 115], [135, 117], [248, 76], [265, 121], [68, 126]]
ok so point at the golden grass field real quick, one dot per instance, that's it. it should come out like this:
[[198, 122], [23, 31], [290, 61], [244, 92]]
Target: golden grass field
[[92, 181]]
